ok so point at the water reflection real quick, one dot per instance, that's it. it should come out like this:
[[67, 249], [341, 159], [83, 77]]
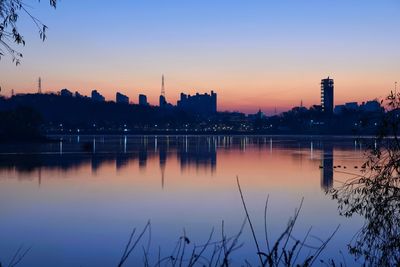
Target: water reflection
[[375, 196], [162, 159], [200, 152], [327, 166], [90, 190]]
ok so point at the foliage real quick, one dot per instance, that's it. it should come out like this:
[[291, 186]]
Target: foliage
[[286, 250], [20, 124], [375, 195], [19, 255], [10, 13]]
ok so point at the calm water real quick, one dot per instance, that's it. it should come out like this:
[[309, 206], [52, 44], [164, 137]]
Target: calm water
[[75, 202]]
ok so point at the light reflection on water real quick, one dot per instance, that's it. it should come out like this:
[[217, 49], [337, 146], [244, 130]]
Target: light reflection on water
[[76, 200]]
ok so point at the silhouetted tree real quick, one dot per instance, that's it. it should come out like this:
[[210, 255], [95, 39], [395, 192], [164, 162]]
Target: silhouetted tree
[[10, 12], [21, 124], [375, 195]]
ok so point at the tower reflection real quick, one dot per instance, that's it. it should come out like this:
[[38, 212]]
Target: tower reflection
[[327, 166], [163, 161]]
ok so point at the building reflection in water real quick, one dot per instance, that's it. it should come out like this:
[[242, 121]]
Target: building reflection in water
[[197, 152], [327, 166], [143, 157]]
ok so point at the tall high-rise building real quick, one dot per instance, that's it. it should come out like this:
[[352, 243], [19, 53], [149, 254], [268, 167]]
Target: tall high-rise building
[[327, 90]]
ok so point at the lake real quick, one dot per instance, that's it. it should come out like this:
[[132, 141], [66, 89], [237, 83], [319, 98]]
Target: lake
[[74, 202]]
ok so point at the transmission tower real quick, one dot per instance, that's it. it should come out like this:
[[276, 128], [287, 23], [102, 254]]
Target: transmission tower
[[40, 86], [162, 86]]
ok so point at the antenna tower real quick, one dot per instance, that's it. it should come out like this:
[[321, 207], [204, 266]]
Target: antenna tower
[[40, 86], [163, 86]]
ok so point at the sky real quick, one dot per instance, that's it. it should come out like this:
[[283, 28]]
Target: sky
[[256, 54]]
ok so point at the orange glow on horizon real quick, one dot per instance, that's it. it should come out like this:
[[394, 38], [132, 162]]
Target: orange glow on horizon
[[237, 95]]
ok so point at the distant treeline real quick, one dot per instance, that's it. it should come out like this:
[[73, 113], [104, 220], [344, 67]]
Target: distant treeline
[[20, 124], [29, 114]]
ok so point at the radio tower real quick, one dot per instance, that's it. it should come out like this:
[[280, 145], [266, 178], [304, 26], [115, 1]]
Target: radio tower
[[40, 86], [162, 86], [163, 101]]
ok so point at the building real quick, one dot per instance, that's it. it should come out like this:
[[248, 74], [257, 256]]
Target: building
[[96, 96], [199, 103], [351, 106], [143, 100], [327, 101], [163, 102], [339, 109], [121, 98], [371, 106], [257, 116], [66, 92]]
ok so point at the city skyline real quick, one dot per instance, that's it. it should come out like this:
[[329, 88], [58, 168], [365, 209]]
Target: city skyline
[[153, 98], [262, 55], [120, 97]]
